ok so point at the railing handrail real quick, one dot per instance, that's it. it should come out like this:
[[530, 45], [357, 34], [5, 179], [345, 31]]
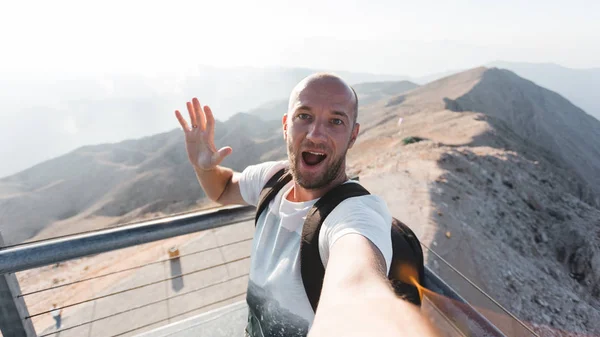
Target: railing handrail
[[48, 252]]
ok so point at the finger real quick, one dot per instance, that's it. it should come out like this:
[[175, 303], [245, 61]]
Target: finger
[[192, 115], [182, 120], [210, 119], [222, 153], [199, 114]]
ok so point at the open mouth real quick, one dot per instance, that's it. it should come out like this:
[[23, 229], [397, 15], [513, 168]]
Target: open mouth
[[311, 158]]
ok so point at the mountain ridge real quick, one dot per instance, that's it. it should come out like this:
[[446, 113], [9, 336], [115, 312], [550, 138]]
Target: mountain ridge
[[485, 181], [578, 85]]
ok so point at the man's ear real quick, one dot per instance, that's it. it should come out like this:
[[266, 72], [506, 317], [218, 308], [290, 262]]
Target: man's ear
[[284, 122], [354, 135]]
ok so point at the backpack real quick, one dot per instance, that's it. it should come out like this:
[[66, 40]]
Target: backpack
[[406, 268]]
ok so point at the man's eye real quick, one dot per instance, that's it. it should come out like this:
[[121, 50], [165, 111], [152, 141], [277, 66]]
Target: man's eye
[[337, 121], [303, 116]]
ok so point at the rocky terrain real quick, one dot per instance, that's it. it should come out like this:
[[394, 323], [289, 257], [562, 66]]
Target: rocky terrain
[[577, 85], [490, 190], [494, 173]]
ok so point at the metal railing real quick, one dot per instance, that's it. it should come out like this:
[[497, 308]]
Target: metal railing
[[447, 302], [42, 253], [138, 307]]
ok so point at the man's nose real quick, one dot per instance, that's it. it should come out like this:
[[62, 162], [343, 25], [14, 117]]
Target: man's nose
[[317, 132]]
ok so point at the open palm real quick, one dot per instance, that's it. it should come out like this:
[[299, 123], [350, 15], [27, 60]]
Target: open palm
[[200, 137]]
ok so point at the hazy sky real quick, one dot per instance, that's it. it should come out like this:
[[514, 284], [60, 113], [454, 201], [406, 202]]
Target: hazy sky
[[404, 37], [48, 104]]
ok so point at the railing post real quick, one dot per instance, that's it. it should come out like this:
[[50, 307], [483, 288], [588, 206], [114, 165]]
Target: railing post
[[13, 308]]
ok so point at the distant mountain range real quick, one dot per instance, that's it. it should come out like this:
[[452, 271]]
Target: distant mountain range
[[123, 181], [65, 112], [367, 93]]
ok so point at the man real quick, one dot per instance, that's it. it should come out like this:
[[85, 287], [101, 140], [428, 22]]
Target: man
[[354, 243], [56, 314]]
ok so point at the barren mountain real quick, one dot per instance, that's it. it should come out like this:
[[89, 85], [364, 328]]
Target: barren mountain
[[104, 184], [499, 177], [580, 86], [371, 92], [273, 110]]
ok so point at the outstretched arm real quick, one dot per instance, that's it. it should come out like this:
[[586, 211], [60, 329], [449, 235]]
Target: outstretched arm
[[220, 184], [357, 300]]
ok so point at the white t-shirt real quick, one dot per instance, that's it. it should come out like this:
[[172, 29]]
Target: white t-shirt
[[276, 298]]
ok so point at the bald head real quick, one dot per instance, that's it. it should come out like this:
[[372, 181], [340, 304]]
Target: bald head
[[319, 129], [326, 85]]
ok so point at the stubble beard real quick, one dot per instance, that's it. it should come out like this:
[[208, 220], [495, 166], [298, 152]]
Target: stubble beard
[[313, 183]]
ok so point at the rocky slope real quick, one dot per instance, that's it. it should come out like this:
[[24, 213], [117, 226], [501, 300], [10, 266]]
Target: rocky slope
[[497, 189], [579, 86], [104, 184]]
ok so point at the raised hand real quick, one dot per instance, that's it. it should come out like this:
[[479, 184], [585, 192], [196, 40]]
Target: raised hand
[[200, 137]]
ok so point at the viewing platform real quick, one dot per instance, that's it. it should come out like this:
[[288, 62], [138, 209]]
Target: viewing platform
[[182, 275]]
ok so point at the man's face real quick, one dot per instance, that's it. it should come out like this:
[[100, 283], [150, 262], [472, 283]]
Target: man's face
[[319, 129]]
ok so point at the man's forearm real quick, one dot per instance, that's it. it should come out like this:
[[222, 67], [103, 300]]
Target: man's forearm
[[214, 181], [357, 299], [370, 316], [367, 309]]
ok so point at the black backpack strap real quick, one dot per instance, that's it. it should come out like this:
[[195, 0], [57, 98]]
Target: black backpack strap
[[407, 266], [311, 266], [270, 190]]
